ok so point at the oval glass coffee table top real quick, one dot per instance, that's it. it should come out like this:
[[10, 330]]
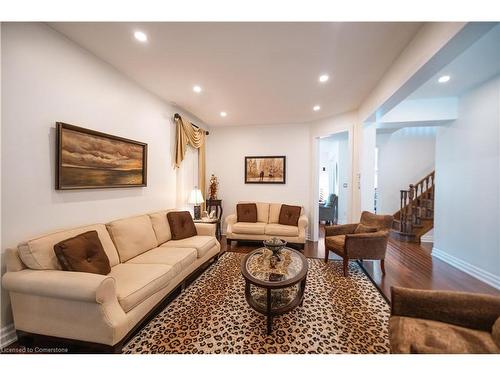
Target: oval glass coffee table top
[[260, 268]]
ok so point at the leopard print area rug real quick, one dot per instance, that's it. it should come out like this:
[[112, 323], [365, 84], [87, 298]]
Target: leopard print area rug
[[339, 315]]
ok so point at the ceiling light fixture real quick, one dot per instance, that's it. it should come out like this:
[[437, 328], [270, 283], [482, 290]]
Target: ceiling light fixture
[[223, 114], [197, 89], [316, 108], [444, 79], [323, 78], [140, 36]]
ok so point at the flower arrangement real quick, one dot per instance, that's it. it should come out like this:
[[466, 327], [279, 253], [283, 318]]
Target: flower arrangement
[[214, 186]]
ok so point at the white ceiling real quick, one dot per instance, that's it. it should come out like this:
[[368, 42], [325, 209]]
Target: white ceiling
[[477, 64], [259, 73]]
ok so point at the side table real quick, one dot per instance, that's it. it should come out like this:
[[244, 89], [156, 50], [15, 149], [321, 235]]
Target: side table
[[215, 205]]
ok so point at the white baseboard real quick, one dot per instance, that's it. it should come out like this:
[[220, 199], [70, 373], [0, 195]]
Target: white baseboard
[[468, 268], [427, 238], [7, 335]]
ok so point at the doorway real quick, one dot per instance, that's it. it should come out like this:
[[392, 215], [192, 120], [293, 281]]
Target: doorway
[[334, 179]]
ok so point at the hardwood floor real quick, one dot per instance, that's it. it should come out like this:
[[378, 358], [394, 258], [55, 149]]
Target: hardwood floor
[[407, 264]]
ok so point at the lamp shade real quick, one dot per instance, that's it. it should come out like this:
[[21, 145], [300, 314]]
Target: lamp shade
[[196, 197]]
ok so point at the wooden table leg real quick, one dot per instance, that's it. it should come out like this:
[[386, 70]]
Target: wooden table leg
[[218, 230], [269, 315], [302, 290]]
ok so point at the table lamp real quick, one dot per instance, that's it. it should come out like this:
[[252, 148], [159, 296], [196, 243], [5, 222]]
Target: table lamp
[[197, 199]]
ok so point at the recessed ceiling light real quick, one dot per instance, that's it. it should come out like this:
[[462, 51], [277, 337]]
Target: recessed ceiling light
[[324, 77], [223, 114], [197, 89], [443, 79], [316, 108], [140, 36]]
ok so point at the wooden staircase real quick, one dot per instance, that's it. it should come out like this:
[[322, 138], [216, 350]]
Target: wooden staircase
[[416, 215]]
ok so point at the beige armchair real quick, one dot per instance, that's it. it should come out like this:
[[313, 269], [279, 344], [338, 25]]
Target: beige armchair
[[434, 321], [352, 241]]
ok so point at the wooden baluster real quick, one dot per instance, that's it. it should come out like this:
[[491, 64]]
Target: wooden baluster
[[413, 213], [403, 211], [407, 212], [427, 187]]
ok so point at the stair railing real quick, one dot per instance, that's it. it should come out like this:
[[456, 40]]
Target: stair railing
[[412, 207]]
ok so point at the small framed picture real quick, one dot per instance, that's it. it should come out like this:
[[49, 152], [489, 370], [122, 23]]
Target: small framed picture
[[265, 169]]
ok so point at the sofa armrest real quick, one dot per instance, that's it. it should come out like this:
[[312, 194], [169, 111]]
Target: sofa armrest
[[66, 285], [205, 229], [366, 245], [336, 230], [230, 221], [303, 222], [470, 310]]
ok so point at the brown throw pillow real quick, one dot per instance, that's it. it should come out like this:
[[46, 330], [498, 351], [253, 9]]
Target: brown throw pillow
[[181, 225], [83, 253], [246, 212], [289, 215], [364, 229]]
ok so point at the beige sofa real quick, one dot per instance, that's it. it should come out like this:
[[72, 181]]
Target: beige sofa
[[267, 226], [146, 265]]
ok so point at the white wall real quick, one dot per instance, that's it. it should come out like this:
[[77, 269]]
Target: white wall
[[47, 78], [404, 157], [367, 165], [466, 223], [228, 148], [344, 179]]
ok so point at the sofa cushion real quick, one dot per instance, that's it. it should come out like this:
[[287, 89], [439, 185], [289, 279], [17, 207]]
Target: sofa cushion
[[136, 282], [364, 229], [274, 213], [289, 215], [161, 226], [246, 212], [83, 253], [262, 212], [38, 253], [336, 242], [249, 228], [201, 243], [178, 257], [410, 335], [282, 230], [132, 236], [181, 225]]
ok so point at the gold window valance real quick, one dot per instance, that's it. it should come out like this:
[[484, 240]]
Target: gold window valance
[[188, 134]]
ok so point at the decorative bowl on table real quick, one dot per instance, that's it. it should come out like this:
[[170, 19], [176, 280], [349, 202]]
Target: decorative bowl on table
[[275, 245]]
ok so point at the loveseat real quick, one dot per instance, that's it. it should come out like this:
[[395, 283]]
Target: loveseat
[[266, 226], [146, 266]]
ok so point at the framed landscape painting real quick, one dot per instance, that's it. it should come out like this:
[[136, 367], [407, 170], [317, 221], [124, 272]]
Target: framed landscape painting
[[87, 159], [265, 169]]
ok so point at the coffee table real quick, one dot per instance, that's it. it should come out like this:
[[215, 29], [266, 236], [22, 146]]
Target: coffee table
[[274, 290]]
